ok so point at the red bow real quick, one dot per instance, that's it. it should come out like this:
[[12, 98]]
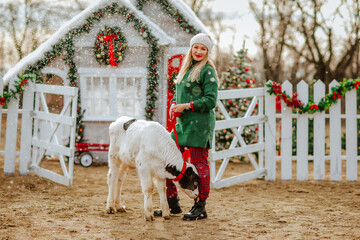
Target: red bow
[[23, 82], [314, 106], [2, 101], [338, 95], [357, 84], [110, 38]]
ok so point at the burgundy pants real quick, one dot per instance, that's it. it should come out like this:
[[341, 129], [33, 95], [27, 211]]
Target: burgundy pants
[[199, 158]]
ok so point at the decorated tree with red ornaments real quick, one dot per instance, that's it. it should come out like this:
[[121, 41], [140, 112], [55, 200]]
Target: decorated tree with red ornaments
[[238, 75]]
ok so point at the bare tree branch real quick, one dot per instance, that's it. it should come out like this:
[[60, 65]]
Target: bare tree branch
[[308, 39]]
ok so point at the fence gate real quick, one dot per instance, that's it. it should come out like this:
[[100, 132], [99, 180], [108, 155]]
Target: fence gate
[[237, 126], [46, 131]]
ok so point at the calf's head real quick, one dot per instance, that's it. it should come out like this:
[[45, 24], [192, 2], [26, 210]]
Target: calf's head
[[189, 182]]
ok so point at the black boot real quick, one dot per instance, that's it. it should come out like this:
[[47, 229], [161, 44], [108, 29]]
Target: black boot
[[173, 205], [197, 212]]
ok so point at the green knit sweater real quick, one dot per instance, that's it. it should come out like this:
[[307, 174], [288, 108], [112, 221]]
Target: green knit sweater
[[195, 128]]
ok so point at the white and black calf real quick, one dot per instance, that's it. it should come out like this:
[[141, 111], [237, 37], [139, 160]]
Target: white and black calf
[[148, 147]]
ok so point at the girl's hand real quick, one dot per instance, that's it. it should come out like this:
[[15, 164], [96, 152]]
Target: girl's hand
[[171, 111], [179, 108]]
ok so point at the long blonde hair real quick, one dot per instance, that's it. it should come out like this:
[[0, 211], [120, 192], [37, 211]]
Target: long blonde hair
[[195, 72]]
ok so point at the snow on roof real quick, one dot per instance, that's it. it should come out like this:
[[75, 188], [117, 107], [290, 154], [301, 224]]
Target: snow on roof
[[78, 20], [190, 15]]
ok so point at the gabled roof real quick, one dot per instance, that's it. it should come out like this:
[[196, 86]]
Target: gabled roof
[[190, 15], [186, 11], [79, 20]]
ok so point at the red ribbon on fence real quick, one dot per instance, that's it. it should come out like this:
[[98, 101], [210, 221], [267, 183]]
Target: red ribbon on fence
[[336, 95], [24, 82], [109, 38], [314, 106], [357, 84], [2, 101]]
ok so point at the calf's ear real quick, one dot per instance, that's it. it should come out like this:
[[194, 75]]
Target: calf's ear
[[189, 171], [128, 123]]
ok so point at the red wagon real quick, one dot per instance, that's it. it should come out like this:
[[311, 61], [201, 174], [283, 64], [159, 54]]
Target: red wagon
[[83, 152]]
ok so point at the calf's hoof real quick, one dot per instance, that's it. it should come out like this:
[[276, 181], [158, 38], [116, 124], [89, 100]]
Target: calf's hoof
[[174, 206], [157, 213], [111, 210], [121, 209], [149, 218]]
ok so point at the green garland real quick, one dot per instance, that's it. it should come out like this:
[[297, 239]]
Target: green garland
[[173, 13], [102, 50], [19, 85], [171, 81], [66, 47], [325, 103]]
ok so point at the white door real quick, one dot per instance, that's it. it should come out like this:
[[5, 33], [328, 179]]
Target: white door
[[237, 126], [59, 167]]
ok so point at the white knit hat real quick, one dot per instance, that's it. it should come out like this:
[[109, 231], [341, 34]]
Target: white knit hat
[[204, 39]]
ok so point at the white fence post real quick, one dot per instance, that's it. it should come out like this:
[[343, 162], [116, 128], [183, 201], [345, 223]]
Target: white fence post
[[351, 136], [73, 113], [319, 134], [335, 137], [286, 135], [1, 107], [261, 131], [302, 135], [11, 134], [26, 129], [270, 137]]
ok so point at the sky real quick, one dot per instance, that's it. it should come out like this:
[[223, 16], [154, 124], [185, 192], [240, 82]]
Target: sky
[[246, 26], [243, 20], [241, 17]]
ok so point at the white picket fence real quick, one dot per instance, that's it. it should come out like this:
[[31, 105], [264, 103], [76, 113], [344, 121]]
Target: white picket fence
[[273, 120], [8, 147], [319, 158], [39, 130]]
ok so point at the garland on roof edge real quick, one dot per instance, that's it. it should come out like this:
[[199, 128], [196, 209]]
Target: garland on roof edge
[[66, 46], [173, 13], [325, 103]]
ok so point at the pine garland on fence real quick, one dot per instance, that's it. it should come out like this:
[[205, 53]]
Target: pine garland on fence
[[325, 103], [19, 87]]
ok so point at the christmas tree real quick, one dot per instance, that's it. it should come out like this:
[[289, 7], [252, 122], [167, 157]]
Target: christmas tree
[[238, 75]]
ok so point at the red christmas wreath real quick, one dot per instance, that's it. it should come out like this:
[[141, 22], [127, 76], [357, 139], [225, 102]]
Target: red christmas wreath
[[110, 45]]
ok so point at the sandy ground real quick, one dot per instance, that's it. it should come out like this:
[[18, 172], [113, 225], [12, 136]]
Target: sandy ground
[[32, 207]]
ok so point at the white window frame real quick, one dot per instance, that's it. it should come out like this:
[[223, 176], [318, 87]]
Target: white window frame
[[112, 74]]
